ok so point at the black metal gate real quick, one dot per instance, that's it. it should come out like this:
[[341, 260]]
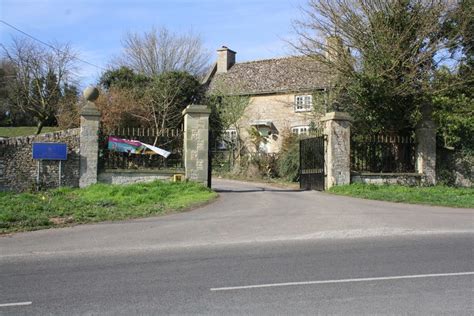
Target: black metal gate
[[312, 173]]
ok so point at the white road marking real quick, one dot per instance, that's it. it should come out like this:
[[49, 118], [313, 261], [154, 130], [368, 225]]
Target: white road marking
[[416, 276], [15, 304]]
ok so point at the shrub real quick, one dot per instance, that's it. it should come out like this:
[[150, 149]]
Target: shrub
[[289, 160]]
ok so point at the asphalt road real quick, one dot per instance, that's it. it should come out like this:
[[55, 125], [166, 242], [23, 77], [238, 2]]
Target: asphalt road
[[180, 282], [257, 250]]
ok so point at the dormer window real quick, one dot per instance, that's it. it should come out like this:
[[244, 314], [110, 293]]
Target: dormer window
[[303, 103]]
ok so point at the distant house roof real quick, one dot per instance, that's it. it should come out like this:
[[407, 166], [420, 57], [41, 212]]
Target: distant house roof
[[280, 75]]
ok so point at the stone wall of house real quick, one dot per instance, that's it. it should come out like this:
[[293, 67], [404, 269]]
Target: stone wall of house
[[18, 169], [135, 176], [278, 108], [411, 179]]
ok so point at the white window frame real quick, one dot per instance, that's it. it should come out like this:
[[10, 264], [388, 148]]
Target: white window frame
[[229, 136], [303, 103], [300, 130]]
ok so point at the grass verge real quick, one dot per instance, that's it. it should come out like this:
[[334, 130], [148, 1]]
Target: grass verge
[[99, 202], [436, 195], [24, 131]]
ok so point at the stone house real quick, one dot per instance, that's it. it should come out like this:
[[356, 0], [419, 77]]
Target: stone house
[[281, 93]]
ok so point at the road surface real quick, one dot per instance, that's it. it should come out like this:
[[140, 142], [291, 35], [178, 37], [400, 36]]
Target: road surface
[[257, 250]]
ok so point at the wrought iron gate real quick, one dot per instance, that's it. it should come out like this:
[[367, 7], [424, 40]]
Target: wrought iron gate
[[312, 173]]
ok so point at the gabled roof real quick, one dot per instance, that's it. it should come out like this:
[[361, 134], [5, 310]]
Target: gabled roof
[[269, 76]]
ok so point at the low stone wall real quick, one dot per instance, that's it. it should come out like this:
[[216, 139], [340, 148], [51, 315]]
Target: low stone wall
[[411, 179], [18, 169], [455, 168], [135, 176]]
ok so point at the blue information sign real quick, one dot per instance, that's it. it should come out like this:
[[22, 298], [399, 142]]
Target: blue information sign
[[50, 151]]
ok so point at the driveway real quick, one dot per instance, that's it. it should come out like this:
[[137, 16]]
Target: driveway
[[247, 213]]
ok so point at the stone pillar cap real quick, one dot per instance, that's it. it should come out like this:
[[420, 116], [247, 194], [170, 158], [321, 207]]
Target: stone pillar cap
[[90, 93], [196, 108], [90, 110], [337, 116]]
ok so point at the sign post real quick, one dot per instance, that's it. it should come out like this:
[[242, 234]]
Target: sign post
[[49, 151], [60, 165], [38, 166]]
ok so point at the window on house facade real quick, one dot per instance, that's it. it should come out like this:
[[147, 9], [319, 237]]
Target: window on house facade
[[300, 130], [303, 103], [229, 139]]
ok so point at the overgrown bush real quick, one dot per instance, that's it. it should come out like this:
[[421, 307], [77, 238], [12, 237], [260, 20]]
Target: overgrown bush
[[289, 160], [258, 165]]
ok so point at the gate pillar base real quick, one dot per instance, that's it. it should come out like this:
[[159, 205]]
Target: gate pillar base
[[337, 156]]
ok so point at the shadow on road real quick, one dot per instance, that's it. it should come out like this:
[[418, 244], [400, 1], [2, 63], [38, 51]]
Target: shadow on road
[[255, 190]]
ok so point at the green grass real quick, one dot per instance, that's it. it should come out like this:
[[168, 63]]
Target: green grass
[[436, 195], [24, 131], [100, 202]]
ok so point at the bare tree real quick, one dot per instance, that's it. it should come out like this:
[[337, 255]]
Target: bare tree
[[157, 103], [344, 33], [166, 97], [160, 50], [7, 73], [120, 107], [40, 76], [382, 53], [230, 108]]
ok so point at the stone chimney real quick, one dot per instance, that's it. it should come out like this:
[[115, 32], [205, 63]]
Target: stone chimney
[[334, 47], [225, 59]]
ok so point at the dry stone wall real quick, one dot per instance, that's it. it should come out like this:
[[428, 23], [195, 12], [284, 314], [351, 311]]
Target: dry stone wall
[[18, 169]]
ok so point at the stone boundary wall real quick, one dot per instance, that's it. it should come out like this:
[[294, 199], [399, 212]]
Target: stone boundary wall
[[18, 169], [337, 128], [411, 179], [135, 176], [454, 167]]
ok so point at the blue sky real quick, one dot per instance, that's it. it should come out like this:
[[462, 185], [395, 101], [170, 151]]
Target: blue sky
[[256, 29]]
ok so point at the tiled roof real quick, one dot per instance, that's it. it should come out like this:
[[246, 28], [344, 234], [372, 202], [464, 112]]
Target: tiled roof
[[290, 74]]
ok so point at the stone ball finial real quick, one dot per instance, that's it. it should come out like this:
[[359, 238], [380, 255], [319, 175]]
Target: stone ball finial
[[91, 94]]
